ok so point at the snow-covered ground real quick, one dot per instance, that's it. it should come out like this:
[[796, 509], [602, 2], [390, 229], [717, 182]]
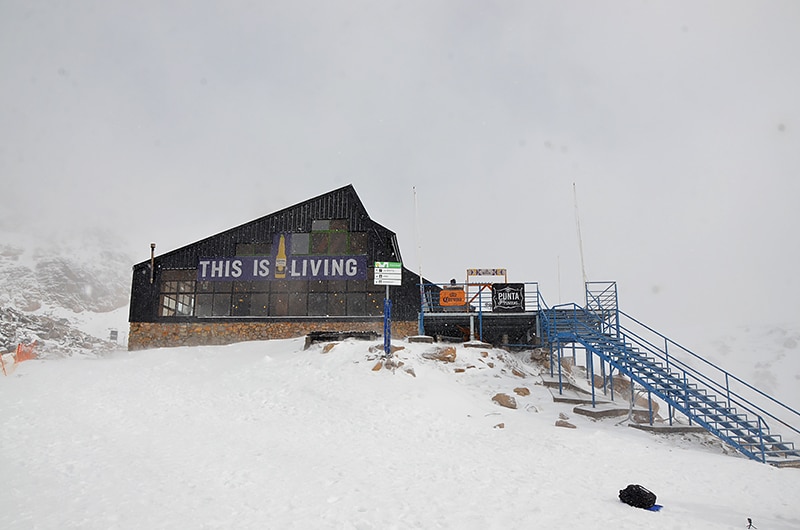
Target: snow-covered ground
[[269, 435]]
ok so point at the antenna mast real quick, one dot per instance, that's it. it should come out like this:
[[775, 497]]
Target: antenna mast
[[578, 225], [421, 324]]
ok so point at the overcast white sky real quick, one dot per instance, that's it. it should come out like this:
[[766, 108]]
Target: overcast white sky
[[678, 122]]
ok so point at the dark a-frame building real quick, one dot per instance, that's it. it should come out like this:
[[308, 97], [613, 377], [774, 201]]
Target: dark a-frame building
[[309, 267]]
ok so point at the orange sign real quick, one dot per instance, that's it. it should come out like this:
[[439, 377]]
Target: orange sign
[[452, 297]]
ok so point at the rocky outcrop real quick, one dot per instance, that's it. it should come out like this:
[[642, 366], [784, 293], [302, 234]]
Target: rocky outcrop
[[446, 354], [51, 335], [97, 285]]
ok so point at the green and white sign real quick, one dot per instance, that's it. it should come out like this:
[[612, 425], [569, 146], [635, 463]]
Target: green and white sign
[[388, 273]]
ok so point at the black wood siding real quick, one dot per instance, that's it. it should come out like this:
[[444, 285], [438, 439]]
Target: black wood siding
[[342, 203]]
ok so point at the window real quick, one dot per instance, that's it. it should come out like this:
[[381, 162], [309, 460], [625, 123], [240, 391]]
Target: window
[[205, 303], [241, 304], [259, 304], [358, 243], [300, 244], [253, 249], [317, 304], [181, 295], [176, 298], [356, 303], [338, 243], [374, 304], [318, 225], [319, 242], [279, 304], [337, 305], [298, 304], [338, 225]]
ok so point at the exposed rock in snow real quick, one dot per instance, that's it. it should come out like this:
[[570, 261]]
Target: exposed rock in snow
[[50, 286], [52, 336]]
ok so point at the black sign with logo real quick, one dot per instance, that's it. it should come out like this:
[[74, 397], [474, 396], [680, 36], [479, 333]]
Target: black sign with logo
[[508, 297]]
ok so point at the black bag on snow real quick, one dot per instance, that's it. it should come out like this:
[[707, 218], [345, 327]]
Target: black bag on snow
[[638, 496]]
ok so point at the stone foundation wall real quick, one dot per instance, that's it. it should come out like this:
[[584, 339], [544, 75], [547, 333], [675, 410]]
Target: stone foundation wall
[[145, 335]]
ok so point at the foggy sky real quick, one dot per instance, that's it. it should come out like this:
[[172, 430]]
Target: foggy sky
[[675, 124]]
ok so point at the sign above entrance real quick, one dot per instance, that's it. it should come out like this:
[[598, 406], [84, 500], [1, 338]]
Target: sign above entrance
[[388, 273], [508, 297], [486, 272]]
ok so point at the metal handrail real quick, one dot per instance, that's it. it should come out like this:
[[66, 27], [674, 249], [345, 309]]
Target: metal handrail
[[430, 303], [709, 381], [686, 373]]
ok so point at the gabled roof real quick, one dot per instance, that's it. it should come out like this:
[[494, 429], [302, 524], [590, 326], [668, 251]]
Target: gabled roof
[[341, 203]]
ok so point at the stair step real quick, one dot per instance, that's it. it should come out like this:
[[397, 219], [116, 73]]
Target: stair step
[[685, 390]]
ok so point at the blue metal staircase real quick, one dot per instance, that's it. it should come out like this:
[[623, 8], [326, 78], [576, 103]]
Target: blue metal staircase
[[731, 409]]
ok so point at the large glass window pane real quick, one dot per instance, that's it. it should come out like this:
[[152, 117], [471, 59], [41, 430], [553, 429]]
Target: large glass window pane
[[320, 224], [245, 249], [279, 304], [338, 243], [176, 304], [259, 304], [318, 304], [262, 249], [298, 304], [241, 305], [185, 306], [356, 304], [204, 306], [358, 243], [338, 224], [222, 305], [300, 244], [374, 304], [319, 243], [337, 305], [167, 305]]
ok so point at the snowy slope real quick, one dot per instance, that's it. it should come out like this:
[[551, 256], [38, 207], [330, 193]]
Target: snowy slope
[[267, 435]]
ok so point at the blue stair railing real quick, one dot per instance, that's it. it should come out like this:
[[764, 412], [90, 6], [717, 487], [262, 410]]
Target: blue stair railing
[[723, 404]]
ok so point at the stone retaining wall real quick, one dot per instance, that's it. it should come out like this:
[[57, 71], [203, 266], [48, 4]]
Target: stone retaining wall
[[145, 335]]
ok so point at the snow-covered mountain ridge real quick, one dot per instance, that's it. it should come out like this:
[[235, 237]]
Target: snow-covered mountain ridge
[[51, 286]]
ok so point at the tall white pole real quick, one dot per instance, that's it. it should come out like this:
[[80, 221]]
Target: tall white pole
[[559, 277], [421, 324], [580, 239]]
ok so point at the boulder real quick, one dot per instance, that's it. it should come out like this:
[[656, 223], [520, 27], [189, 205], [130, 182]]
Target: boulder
[[504, 400], [446, 354]]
